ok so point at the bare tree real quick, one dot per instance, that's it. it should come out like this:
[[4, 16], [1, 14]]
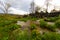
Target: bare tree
[[32, 7], [47, 3], [4, 7]]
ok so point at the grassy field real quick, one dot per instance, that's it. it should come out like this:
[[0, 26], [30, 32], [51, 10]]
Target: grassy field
[[38, 28]]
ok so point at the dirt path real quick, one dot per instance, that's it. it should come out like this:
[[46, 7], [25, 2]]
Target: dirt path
[[51, 23], [26, 25]]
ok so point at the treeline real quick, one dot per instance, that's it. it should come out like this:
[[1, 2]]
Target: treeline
[[42, 14]]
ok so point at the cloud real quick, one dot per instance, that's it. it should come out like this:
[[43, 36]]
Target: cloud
[[25, 4], [20, 4], [18, 12]]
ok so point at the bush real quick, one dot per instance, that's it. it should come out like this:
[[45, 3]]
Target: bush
[[33, 19], [51, 27], [57, 23], [20, 35], [6, 22], [24, 19], [14, 26], [43, 23], [51, 36], [33, 26], [35, 35], [51, 19], [11, 27]]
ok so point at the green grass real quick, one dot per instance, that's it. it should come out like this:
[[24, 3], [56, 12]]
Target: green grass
[[52, 19], [9, 30], [21, 35], [43, 23], [57, 23], [33, 26], [51, 27], [51, 36], [7, 25]]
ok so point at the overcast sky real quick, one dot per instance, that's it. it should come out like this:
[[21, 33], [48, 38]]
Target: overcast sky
[[20, 4], [25, 4]]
